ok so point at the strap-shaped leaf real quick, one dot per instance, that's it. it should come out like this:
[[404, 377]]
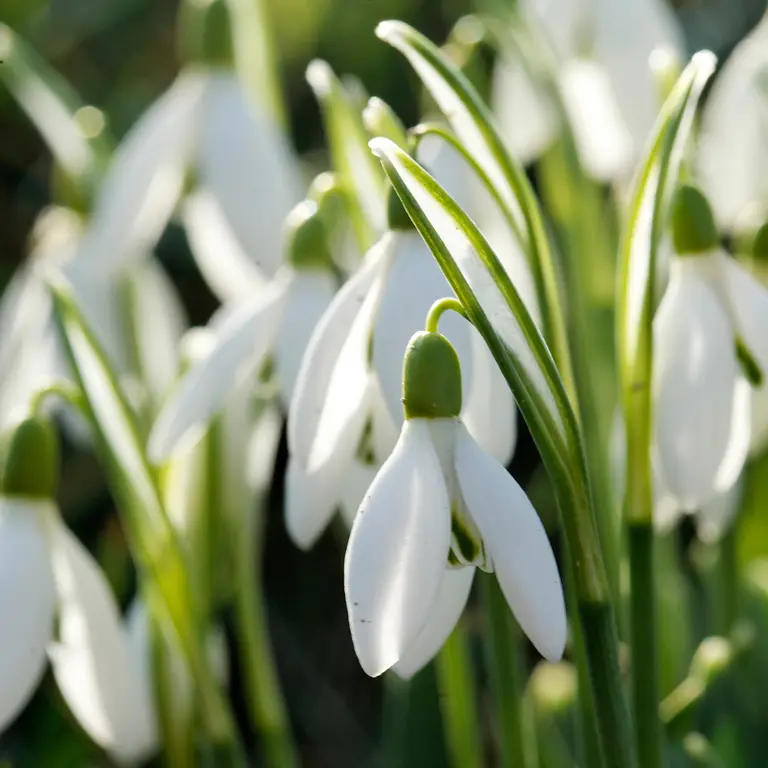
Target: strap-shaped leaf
[[358, 171], [652, 189], [492, 304], [52, 105], [472, 122]]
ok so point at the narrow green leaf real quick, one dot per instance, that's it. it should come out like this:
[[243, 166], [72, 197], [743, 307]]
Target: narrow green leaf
[[492, 304], [360, 175], [475, 127], [73, 131], [652, 189]]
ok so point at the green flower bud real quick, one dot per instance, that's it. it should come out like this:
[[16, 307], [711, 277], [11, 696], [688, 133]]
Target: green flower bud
[[307, 238], [431, 378], [29, 459], [693, 225], [397, 217], [205, 33]]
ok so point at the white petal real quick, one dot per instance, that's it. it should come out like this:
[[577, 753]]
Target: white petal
[[307, 298], [603, 142], [249, 167], [322, 355], [27, 600], [738, 440], [92, 661], [397, 552], [489, 411], [715, 517], [227, 269], [144, 179], [625, 35], [517, 543], [526, 116], [242, 343], [450, 603], [385, 430], [262, 449], [561, 21], [411, 285], [732, 154], [694, 376], [357, 480], [158, 323]]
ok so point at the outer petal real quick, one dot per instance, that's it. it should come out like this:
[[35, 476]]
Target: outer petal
[[731, 152], [144, 180], [27, 600], [694, 383], [92, 661], [517, 543], [397, 552], [385, 431], [737, 449], [412, 284], [355, 485], [243, 341], [561, 21], [489, 409], [248, 165], [227, 269], [307, 298], [604, 144], [322, 354], [450, 604]]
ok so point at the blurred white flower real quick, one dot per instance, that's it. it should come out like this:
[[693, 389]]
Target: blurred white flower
[[732, 159], [439, 507], [607, 88], [47, 575]]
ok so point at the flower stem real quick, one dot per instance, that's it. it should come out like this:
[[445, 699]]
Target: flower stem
[[266, 705], [729, 581], [458, 701], [645, 662], [436, 312], [505, 673]]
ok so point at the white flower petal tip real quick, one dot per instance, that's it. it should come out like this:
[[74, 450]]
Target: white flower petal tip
[[243, 340], [27, 602], [310, 502], [320, 76], [450, 604], [517, 543], [95, 669], [397, 552]]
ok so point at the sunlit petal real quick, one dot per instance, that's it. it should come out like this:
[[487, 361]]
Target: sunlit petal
[[739, 438], [357, 480], [517, 543], [397, 552]]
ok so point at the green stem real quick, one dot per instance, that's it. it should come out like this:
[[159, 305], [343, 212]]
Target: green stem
[[458, 701], [395, 719], [645, 666], [729, 581], [506, 677], [437, 310], [266, 705]]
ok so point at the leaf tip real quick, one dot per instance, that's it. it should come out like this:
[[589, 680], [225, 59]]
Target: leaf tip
[[705, 62], [381, 146], [389, 31]]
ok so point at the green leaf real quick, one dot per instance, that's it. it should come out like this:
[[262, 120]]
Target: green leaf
[[473, 124], [360, 175], [73, 131], [493, 305], [652, 190]]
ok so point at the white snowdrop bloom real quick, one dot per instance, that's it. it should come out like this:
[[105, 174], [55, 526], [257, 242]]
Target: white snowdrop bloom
[[439, 507], [709, 346], [607, 88], [276, 320], [351, 377], [732, 157], [61, 608]]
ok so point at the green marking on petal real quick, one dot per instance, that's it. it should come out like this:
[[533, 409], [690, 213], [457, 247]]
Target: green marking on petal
[[469, 549], [749, 366]]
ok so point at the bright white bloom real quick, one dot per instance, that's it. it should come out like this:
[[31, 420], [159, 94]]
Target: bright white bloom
[[732, 156], [46, 573], [439, 507], [349, 387], [607, 87], [709, 334]]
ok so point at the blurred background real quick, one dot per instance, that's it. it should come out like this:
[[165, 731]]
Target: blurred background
[[120, 55]]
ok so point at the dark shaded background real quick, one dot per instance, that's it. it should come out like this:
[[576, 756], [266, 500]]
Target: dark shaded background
[[120, 55]]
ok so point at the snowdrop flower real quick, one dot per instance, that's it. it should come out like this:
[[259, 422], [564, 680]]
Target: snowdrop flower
[[732, 157], [709, 346], [277, 320], [349, 387], [607, 88], [440, 507], [59, 607]]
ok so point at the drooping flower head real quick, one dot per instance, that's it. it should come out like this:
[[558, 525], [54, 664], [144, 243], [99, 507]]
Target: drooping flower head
[[439, 508]]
